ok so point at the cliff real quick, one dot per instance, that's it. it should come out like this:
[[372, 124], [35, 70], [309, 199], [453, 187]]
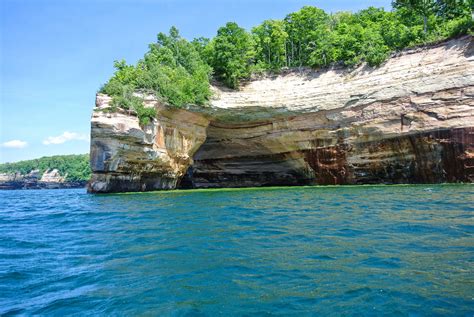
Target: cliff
[[408, 121], [50, 179]]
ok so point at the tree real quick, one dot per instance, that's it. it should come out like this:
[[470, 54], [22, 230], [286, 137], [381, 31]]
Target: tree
[[375, 49], [233, 54], [205, 48], [423, 8], [270, 39], [303, 28], [451, 9], [350, 39], [172, 70], [178, 72], [327, 51]]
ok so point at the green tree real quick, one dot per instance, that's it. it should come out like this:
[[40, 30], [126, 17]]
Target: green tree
[[327, 50], [396, 35], [304, 28], [375, 46], [233, 54], [423, 8], [375, 49], [172, 70], [451, 9], [178, 72], [205, 48], [175, 71], [351, 43], [270, 38]]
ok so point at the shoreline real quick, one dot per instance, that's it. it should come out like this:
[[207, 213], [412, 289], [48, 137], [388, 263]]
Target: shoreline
[[271, 188], [42, 185]]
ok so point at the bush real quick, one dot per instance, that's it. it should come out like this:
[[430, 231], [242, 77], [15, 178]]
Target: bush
[[458, 27], [134, 103]]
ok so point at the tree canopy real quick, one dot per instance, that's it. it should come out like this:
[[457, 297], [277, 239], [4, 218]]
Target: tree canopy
[[233, 54], [179, 72], [172, 70], [270, 44]]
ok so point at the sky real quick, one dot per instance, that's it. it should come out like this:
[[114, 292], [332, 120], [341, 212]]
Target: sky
[[55, 55]]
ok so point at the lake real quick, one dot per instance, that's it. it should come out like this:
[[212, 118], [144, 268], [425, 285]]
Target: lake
[[321, 251]]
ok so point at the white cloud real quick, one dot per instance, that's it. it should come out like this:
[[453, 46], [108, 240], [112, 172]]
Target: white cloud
[[15, 144], [66, 136]]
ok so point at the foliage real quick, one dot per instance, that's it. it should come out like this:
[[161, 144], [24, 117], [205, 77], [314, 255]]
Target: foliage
[[458, 27], [270, 41], [75, 166], [305, 30], [205, 48], [233, 54], [127, 100], [418, 8], [453, 9], [172, 70], [178, 72]]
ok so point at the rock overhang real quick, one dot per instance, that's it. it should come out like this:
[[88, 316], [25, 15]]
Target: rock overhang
[[365, 125]]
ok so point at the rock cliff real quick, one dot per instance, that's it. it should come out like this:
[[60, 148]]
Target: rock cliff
[[50, 179], [408, 121], [127, 157]]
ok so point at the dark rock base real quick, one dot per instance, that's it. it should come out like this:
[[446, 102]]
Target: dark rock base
[[41, 185], [443, 156]]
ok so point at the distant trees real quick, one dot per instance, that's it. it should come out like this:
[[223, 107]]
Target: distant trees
[[178, 72], [75, 166], [449, 9]]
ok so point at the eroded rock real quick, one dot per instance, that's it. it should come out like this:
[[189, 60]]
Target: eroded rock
[[408, 121]]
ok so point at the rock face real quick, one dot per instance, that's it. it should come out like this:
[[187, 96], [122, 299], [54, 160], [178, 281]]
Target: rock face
[[50, 179], [408, 121], [52, 176], [127, 157]]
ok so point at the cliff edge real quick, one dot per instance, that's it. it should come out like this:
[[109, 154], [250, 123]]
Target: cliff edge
[[408, 121]]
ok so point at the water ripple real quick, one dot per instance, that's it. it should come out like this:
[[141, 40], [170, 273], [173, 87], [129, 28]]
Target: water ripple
[[370, 250]]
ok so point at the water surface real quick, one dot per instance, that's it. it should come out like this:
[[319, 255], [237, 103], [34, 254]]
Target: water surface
[[381, 250]]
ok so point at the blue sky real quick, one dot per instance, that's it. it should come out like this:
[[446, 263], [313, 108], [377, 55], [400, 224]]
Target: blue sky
[[54, 55]]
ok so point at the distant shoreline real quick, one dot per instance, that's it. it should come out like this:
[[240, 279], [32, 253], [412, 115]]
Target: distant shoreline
[[20, 185]]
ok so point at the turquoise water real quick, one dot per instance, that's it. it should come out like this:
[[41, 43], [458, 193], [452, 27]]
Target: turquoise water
[[320, 251]]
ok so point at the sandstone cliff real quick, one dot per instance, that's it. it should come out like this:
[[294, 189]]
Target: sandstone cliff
[[409, 121], [50, 179]]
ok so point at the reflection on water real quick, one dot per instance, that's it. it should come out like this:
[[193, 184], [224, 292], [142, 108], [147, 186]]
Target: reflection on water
[[395, 250]]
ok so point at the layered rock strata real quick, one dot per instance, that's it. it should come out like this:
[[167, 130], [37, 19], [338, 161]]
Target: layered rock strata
[[50, 179], [408, 121], [128, 157]]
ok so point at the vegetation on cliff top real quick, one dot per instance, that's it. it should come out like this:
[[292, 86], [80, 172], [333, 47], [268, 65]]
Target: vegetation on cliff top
[[178, 72], [75, 166]]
